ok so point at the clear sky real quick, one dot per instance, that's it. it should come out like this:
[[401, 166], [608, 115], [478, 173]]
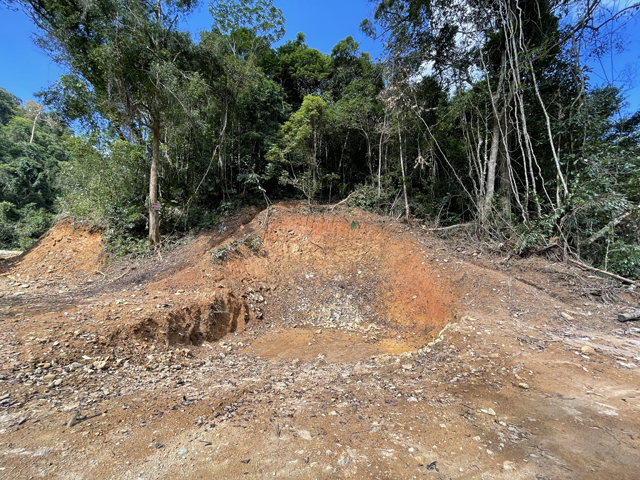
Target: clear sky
[[24, 69]]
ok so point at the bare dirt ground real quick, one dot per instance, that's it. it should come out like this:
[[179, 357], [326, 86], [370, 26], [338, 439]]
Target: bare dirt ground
[[335, 344]]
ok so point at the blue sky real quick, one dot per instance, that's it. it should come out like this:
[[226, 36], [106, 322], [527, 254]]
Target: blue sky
[[24, 69], [324, 22]]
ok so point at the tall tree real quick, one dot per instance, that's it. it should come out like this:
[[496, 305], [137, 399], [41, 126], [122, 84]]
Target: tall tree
[[301, 144], [300, 70], [131, 57]]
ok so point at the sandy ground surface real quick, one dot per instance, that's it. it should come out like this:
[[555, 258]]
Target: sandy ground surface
[[335, 344]]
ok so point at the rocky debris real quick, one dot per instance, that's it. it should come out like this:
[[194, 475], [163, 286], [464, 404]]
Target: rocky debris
[[194, 324], [9, 253], [160, 383], [75, 418]]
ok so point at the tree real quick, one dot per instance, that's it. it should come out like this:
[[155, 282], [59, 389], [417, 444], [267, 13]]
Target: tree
[[503, 51], [131, 57], [300, 146], [8, 105], [261, 18], [300, 70], [242, 32], [34, 111]]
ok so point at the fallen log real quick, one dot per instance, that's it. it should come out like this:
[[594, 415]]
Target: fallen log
[[544, 249], [627, 317], [451, 227], [604, 272], [344, 200]]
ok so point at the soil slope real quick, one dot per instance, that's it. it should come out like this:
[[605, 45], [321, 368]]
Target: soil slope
[[325, 344]]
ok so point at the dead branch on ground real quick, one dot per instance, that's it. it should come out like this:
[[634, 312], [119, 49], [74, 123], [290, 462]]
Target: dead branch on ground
[[604, 272], [343, 201], [450, 227]]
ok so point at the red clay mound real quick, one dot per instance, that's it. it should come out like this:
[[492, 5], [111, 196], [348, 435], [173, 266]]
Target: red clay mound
[[65, 250], [350, 271], [336, 270]]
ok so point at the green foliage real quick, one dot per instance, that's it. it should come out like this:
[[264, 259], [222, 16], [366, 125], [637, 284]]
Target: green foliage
[[606, 189], [299, 69], [32, 149], [300, 146], [623, 258], [260, 17], [8, 105], [100, 167], [19, 228], [536, 234]]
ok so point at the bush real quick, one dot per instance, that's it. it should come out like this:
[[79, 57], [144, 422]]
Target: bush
[[20, 228]]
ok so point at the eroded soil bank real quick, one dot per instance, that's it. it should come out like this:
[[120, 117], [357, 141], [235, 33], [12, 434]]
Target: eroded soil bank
[[332, 344]]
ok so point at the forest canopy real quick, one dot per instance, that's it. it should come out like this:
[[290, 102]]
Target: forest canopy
[[480, 113]]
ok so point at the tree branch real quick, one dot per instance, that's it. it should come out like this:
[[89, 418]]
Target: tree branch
[[604, 272]]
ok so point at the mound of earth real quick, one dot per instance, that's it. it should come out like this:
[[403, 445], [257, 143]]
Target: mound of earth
[[65, 250], [313, 344]]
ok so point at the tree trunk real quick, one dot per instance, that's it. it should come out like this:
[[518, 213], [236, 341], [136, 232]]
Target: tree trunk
[[384, 126], [404, 181], [221, 152], [33, 129], [154, 215], [490, 181], [314, 164], [607, 228], [561, 179], [626, 317], [366, 136], [505, 177]]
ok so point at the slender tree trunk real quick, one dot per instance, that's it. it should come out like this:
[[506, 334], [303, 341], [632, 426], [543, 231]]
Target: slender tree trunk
[[560, 176], [154, 215], [33, 129], [366, 136], [505, 171], [221, 141], [384, 126], [340, 167], [315, 163], [490, 181], [404, 181], [608, 227]]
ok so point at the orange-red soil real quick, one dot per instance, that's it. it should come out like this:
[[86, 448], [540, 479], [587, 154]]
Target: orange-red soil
[[325, 344]]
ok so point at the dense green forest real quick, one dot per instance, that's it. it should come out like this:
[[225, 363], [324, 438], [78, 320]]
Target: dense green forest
[[32, 150], [481, 112]]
